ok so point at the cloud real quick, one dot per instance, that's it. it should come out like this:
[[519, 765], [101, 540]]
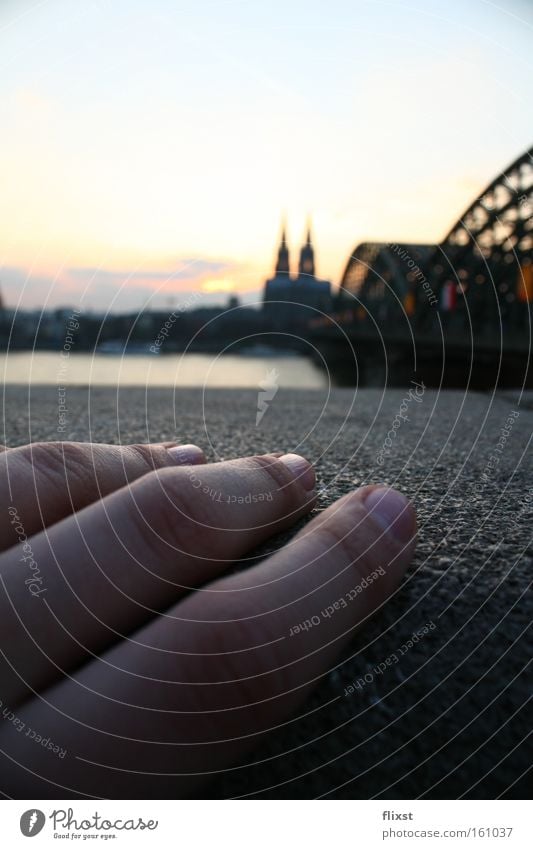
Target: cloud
[[105, 289], [189, 269], [20, 284]]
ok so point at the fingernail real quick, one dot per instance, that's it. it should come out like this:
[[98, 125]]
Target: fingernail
[[186, 455], [392, 510], [300, 469]]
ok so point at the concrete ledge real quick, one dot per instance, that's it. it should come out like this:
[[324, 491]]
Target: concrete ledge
[[449, 719]]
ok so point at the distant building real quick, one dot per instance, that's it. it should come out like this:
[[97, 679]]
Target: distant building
[[290, 301]]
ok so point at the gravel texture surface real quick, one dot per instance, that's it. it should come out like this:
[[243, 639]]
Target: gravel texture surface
[[450, 718]]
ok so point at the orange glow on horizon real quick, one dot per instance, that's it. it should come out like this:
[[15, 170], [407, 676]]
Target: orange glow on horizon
[[220, 285]]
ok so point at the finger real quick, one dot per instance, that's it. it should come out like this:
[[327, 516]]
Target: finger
[[99, 574], [189, 696], [46, 481]]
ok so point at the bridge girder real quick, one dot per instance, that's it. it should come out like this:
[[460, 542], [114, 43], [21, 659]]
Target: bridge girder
[[486, 259]]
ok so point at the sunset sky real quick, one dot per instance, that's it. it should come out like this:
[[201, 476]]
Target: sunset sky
[[149, 148]]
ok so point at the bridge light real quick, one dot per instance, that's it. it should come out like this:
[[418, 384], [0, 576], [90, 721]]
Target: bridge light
[[525, 284]]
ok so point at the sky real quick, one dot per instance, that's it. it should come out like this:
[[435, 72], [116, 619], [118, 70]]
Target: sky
[[150, 148]]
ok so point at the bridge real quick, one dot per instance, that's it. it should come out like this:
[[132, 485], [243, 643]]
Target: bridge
[[453, 314]]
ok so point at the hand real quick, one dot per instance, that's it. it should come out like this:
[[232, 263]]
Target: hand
[[130, 666]]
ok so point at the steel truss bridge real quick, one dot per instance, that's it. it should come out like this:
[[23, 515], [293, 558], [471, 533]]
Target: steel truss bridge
[[457, 313]]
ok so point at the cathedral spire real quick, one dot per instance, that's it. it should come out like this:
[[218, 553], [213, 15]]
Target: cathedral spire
[[306, 266], [282, 264]]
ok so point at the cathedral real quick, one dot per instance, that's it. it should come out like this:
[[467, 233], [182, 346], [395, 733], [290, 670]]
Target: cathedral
[[295, 300]]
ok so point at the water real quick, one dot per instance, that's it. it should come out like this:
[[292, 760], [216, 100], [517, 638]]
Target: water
[[46, 367]]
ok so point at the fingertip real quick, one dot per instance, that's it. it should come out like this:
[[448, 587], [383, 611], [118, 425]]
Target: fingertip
[[392, 511], [186, 455], [301, 470]]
